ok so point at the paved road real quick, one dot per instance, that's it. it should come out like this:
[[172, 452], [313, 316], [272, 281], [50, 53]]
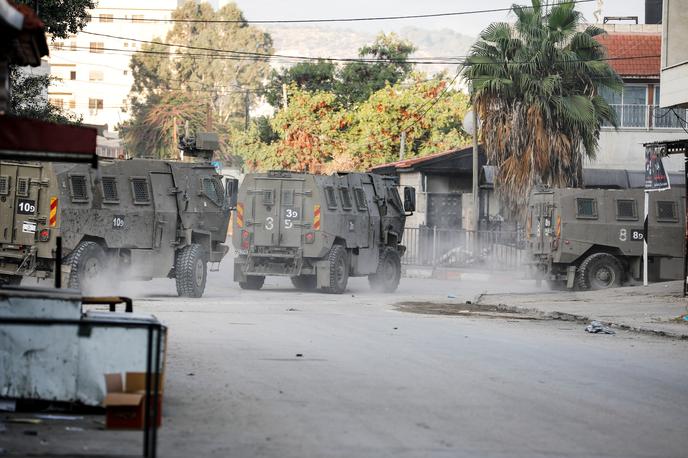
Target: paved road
[[279, 373], [374, 381]]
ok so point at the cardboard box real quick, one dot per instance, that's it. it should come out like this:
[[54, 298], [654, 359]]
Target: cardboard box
[[125, 402]]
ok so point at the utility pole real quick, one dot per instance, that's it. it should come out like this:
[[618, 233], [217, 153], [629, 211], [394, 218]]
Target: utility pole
[[402, 148], [476, 198]]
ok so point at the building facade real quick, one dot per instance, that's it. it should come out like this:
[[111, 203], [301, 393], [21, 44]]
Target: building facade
[[93, 65], [634, 52], [674, 77]]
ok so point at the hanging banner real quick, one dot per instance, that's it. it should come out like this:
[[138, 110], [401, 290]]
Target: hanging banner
[[656, 178]]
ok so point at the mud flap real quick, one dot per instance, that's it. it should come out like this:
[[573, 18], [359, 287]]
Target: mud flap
[[570, 276], [322, 272], [239, 275]]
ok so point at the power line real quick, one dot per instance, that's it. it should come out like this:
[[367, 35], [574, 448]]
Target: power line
[[311, 21]]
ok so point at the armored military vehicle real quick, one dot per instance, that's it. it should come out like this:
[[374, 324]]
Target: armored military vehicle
[[319, 230], [593, 238], [138, 218]]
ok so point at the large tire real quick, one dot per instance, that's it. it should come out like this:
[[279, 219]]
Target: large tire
[[305, 282], [386, 278], [339, 270], [191, 271], [253, 282], [88, 264], [599, 271]]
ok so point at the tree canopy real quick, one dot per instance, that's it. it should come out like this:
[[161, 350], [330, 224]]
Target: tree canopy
[[536, 87]]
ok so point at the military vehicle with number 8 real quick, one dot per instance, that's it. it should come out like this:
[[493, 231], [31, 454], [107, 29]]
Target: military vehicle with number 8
[[320, 230], [137, 218], [593, 238]]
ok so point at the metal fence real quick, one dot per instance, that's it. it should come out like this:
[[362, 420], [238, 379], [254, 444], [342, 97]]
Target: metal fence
[[430, 246]]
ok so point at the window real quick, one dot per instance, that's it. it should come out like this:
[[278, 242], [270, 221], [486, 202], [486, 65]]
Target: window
[[268, 197], [4, 185], [360, 197], [58, 45], [95, 104], [78, 188], [72, 45], [137, 18], [288, 197], [139, 188], [105, 18], [110, 194], [346, 198], [630, 105], [72, 75], [126, 44], [72, 104], [586, 208], [626, 209], [23, 187], [95, 75], [666, 211], [59, 103], [213, 190], [96, 47], [330, 197], [125, 72]]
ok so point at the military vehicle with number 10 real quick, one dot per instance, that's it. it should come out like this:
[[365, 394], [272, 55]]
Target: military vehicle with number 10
[[137, 218], [320, 230]]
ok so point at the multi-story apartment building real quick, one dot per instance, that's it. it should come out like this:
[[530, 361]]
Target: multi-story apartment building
[[94, 68], [634, 52], [675, 54]]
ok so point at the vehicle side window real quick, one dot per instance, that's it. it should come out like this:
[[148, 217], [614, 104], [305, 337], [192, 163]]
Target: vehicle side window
[[268, 197], [288, 197], [586, 208], [110, 193], [212, 188], [360, 197], [139, 189], [626, 209], [346, 198], [78, 188], [667, 211], [330, 197], [23, 187], [4, 185], [393, 195]]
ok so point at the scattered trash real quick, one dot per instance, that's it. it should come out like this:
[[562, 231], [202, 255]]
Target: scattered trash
[[596, 328], [396, 329], [31, 433], [24, 421], [468, 302], [451, 296], [7, 405], [190, 374], [73, 428], [299, 355], [59, 417], [685, 317], [292, 310]]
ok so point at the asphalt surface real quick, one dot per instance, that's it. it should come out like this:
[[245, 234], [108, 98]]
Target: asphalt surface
[[281, 373]]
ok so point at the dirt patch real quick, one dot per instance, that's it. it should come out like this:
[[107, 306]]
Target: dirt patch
[[468, 309]]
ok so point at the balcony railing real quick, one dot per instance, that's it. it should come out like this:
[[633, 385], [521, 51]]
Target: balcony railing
[[649, 116]]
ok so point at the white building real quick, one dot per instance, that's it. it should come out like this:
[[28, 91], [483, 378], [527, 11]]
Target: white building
[[96, 78]]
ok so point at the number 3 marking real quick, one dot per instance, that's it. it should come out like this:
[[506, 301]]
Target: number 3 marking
[[269, 223]]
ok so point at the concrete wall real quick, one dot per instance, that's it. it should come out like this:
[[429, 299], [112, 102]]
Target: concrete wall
[[623, 149], [674, 77]]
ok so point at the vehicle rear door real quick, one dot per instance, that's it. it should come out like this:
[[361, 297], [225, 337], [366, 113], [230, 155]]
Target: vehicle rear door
[[20, 186], [291, 213], [165, 201]]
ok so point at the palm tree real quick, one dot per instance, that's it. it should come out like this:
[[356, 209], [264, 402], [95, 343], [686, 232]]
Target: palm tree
[[536, 87]]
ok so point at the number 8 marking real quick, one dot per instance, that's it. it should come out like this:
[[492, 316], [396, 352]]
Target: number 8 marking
[[623, 236]]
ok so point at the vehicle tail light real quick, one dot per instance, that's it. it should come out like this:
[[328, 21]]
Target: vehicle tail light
[[245, 239], [44, 235], [310, 237]]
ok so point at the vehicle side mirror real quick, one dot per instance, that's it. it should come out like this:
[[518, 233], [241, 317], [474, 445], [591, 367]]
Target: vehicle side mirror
[[232, 191], [409, 199]]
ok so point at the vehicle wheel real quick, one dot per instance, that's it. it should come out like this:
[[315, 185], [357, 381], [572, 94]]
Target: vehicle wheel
[[88, 262], [10, 280], [386, 279], [339, 270], [305, 282], [190, 270], [599, 271], [252, 282]]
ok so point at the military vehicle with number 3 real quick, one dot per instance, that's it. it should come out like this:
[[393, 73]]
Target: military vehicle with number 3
[[593, 238], [137, 218], [320, 230]]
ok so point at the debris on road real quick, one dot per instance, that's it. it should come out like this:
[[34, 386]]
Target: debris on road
[[596, 327]]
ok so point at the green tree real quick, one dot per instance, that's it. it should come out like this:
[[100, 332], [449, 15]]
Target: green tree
[[221, 84], [309, 76], [536, 87], [26, 90], [386, 63]]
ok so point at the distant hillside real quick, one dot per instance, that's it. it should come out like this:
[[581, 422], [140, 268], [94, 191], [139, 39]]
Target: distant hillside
[[344, 43]]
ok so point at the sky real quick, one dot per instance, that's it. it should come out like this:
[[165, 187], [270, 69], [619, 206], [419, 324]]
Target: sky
[[467, 25]]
